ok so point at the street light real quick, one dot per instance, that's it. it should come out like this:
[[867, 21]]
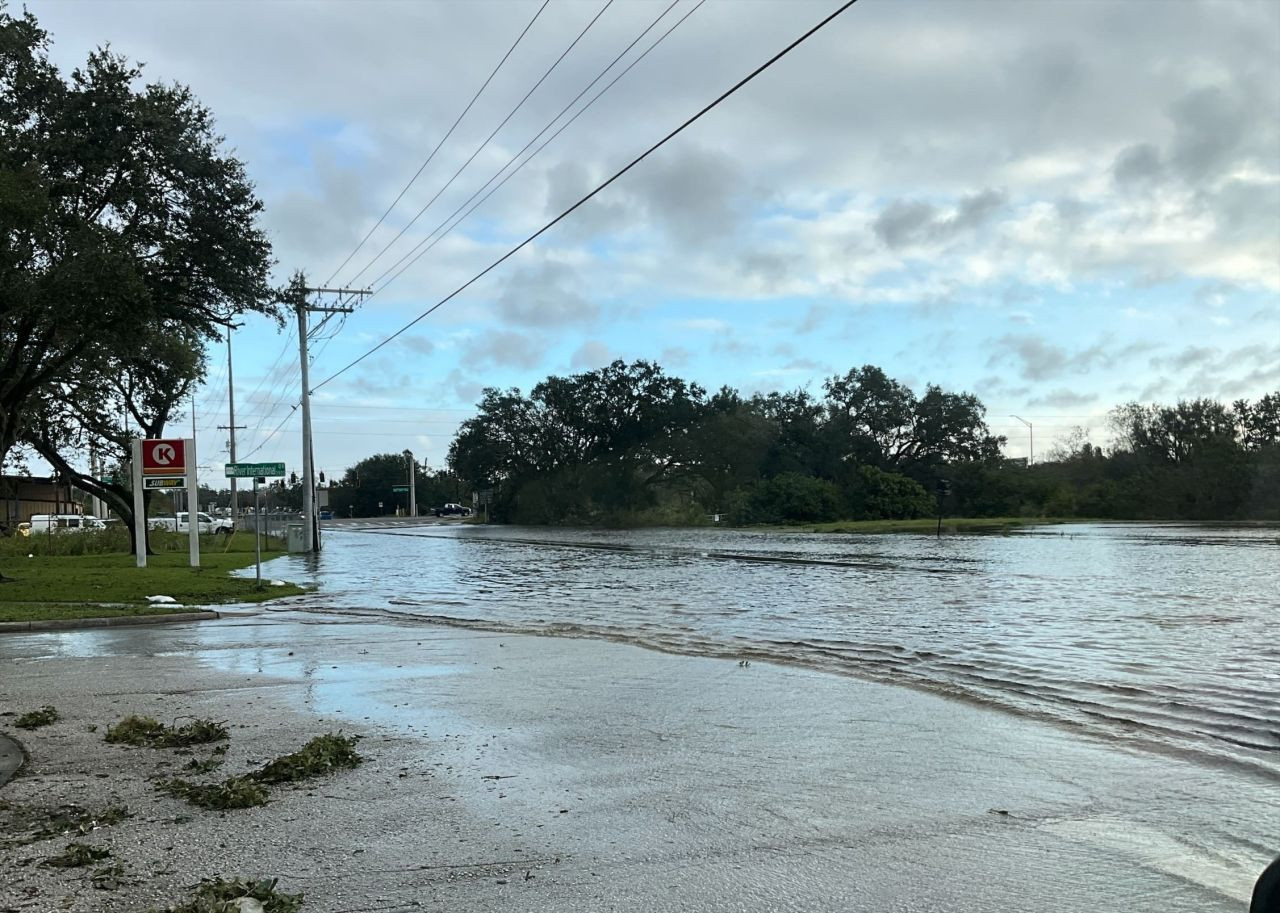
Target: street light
[[1031, 439]]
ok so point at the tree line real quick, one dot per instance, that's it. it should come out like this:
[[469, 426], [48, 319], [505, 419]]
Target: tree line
[[629, 443]]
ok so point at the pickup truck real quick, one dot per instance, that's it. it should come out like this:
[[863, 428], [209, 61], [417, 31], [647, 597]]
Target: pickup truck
[[453, 510], [206, 524]]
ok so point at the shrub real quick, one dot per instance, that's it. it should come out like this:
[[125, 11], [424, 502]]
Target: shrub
[[879, 495], [787, 498]]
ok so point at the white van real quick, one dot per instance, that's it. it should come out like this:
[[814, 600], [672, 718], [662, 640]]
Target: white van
[[44, 523], [206, 523]]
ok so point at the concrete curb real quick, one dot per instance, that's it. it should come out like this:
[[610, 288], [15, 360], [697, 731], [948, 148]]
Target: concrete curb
[[64, 624], [12, 757]]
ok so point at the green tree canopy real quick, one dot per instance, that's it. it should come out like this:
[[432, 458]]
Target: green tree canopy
[[126, 227]]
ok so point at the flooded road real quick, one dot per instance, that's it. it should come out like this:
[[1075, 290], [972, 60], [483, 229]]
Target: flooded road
[[1151, 636]]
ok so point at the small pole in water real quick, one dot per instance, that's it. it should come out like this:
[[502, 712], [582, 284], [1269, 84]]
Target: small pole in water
[[943, 489]]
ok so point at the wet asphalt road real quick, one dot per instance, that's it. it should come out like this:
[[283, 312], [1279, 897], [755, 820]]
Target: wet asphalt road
[[525, 773]]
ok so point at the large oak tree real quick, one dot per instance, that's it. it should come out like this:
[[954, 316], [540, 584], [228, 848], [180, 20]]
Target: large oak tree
[[125, 226]]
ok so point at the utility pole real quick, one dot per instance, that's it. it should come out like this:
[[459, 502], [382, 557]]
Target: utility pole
[[311, 531], [1031, 439], [413, 495], [231, 409]]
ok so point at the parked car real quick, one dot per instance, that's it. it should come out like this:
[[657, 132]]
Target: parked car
[[204, 522], [453, 510], [44, 523]]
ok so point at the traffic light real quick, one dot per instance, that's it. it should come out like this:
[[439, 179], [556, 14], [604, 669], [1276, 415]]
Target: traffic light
[[293, 478], [322, 477]]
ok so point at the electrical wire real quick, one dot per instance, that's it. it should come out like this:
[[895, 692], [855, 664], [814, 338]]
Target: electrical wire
[[270, 435], [487, 140], [443, 140], [618, 174], [419, 246]]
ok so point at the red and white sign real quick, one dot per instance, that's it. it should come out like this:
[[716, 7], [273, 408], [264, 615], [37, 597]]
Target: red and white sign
[[164, 457]]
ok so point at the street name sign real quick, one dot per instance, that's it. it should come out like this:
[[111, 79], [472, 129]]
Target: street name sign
[[400, 489], [249, 470]]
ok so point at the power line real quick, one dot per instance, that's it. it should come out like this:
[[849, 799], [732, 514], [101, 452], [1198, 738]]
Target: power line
[[272, 434], [443, 139], [270, 370], [362, 408], [293, 374], [419, 248], [486, 142], [637, 160]]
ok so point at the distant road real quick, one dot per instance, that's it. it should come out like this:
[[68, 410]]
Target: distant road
[[386, 522]]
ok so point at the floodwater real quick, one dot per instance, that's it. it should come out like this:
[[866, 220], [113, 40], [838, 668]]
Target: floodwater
[[1152, 636]]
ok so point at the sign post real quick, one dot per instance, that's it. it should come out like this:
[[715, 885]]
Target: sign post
[[193, 504], [257, 527], [139, 505], [258, 472]]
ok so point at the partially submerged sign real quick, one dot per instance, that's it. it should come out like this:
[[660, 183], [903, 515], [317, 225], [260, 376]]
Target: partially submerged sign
[[254, 470]]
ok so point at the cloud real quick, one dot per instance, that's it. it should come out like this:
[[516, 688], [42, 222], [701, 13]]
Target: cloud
[[1209, 125], [505, 349], [466, 389], [696, 194], [702, 325], [418, 343], [675, 357], [1062, 398], [1137, 163], [1070, 153], [1038, 360], [1190, 357], [545, 295], [591, 354], [903, 223], [1222, 373]]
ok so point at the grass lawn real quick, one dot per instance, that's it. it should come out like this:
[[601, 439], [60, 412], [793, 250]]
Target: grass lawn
[[949, 525], [73, 586]]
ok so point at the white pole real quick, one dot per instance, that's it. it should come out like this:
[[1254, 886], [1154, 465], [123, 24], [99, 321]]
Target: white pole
[[257, 529], [193, 504], [413, 493], [231, 407], [139, 506]]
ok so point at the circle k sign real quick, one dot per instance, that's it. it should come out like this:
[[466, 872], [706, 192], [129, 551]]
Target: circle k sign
[[164, 457]]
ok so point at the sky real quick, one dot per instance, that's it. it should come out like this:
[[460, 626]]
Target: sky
[[1057, 206]]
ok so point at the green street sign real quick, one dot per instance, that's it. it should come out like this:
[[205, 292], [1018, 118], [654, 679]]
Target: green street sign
[[400, 489], [249, 470]]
